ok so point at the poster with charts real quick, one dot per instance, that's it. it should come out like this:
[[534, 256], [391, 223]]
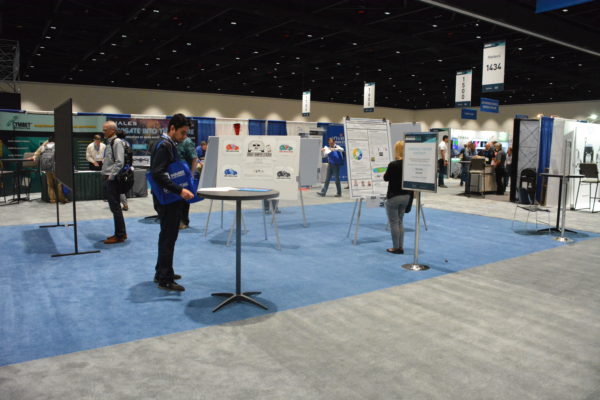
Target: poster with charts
[[270, 162], [368, 154]]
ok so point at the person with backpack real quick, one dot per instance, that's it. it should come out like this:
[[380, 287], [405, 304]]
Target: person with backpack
[[114, 160], [128, 161], [45, 155], [164, 155], [335, 159]]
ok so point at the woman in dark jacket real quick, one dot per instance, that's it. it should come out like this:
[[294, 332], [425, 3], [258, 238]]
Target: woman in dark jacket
[[397, 199]]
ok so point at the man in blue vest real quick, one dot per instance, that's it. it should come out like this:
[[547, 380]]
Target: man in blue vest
[[335, 159], [170, 214]]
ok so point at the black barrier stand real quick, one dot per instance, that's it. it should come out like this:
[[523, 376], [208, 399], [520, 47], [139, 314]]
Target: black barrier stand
[[57, 211]]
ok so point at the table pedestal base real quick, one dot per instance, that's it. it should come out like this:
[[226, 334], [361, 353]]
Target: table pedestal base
[[562, 239], [234, 297], [415, 267], [553, 229]]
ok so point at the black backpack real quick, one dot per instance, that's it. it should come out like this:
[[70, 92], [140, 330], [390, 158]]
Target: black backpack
[[124, 178]]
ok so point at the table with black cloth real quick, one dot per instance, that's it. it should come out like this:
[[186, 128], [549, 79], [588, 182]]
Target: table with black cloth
[[238, 195], [90, 185]]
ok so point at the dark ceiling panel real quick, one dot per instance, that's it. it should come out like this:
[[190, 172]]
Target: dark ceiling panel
[[411, 49]]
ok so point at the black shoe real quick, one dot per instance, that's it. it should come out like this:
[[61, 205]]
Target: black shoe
[[395, 251], [338, 195], [171, 286], [443, 186], [176, 277], [320, 194]]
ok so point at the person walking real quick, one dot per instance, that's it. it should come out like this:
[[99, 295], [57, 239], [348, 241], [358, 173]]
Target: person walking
[[335, 159], [398, 200], [442, 160], [164, 154], [114, 160]]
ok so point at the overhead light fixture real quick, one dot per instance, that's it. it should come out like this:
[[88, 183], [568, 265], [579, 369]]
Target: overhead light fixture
[[520, 48], [387, 13], [173, 51], [552, 57], [113, 44], [593, 117], [434, 25], [188, 44], [123, 36], [397, 51], [233, 23], [157, 58], [565, 10], [477, 37], [93, 59], [155, 11], [48, 37], [255, 52], [52, 27], [354, 43], [101, 53], [309, 35]]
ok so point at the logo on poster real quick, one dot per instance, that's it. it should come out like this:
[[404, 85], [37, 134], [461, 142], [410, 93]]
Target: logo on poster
[[286, 148], [357, 154], [232, 148]]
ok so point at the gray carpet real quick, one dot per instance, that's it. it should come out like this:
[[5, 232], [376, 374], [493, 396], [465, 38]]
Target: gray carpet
[[525, 328]]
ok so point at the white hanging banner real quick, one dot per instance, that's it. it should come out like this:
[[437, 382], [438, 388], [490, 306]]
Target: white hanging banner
[[494, 64], [369, 97], [464, 81], [306, 103]]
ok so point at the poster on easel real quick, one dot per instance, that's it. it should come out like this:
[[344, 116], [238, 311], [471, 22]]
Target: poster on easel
[[368, 154], [271, 162]]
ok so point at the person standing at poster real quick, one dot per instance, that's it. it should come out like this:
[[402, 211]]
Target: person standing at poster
[[398, 201], [94, 153], [187, 152], [499, 169], [442, 160], [45, 155], [335, 159], [164, 154], [114, 159]]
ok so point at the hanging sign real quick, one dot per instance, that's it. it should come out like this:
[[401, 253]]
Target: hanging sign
[[489, 105], [369, 97], [468, 113], [464, 80], [493, 67], [306, 103]]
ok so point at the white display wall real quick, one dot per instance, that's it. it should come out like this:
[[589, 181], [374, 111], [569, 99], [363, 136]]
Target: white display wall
[[271, 162], [227, 126]]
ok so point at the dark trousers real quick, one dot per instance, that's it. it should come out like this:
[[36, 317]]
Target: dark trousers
[[94, 168], [507, 176], [170, 217], [332, 170], [185, 212], [441, 172], [114, 202], [500, 173]]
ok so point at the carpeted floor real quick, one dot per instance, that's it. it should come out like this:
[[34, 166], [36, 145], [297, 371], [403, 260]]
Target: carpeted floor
[[52, 306]]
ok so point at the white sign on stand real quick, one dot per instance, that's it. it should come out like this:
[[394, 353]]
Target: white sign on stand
[[494, 64], [260, 162], [368, 154]]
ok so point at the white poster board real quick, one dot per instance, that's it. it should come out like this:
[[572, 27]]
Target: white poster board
[[419, 166], [494, 64], [368, 153], [271, 162]]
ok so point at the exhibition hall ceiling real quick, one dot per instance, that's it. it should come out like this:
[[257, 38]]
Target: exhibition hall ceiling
[[411, 49]]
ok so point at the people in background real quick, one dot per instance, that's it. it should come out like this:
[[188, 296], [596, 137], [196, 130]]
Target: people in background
[[490, 152], [442, 160], [126, 144], [508, 167], [94, 153], [169, 214], [201, 154], [335, 159], [397, 199], [45, 155], [187, 152], [114, 159], [466, 154], [499, 168]]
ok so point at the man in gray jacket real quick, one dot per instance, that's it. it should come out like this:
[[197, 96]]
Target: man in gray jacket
[[114, 159]]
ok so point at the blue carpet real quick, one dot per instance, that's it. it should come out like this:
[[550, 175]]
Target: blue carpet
[[52, 306]]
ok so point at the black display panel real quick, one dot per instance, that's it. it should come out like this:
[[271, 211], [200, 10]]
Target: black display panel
[[63, 137]]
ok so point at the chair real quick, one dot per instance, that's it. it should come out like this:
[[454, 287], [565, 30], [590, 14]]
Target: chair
[[3, 179], [477, 168], [590, 173], [526, 198]]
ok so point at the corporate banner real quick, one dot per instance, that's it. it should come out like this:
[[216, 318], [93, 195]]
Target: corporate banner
[[369, 97], [270, 162], [494, 64], [306, 103], [24, 122], [368, 152], [419, 169], [464, 80]]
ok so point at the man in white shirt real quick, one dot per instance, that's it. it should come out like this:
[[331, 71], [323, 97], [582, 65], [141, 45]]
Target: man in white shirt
[[95, 153], [442, 160]]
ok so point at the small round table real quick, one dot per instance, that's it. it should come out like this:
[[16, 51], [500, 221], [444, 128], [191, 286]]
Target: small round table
[[238, 195], [562, 202]]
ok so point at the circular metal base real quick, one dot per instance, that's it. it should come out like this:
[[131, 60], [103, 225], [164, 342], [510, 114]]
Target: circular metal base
[[563, 239], [415, 267]]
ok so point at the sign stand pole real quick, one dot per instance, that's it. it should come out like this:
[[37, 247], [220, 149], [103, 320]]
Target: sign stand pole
[[415, 266], [352, 218]]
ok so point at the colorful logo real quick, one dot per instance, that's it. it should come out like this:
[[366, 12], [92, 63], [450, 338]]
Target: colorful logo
[[230, 173], [379, 170], [232, 147], [357, 154], [286, 148]]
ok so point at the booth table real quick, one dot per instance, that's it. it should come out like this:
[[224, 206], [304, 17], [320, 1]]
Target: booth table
[[18, 173], [560, 202], [238, 195]]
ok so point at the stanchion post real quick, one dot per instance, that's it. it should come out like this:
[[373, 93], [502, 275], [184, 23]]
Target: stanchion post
[[415, 266]]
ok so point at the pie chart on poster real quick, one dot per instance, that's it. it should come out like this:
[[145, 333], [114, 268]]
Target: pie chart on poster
[[357, 154]]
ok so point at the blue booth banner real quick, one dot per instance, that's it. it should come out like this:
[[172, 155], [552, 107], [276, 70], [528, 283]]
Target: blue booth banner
[[336, 131], [489, 105], [549, 5], [468, 113]]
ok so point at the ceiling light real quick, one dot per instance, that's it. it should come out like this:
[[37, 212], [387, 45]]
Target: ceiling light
[[112, 81], [42, 47], [146, 64], [580, 65], [476, 24], [233, 23], [434, 25], [93, 59], [550, 83], [477, 37], [173, 51], [565, 10], [177, 77], [188, 43], [157, 58], [123, 36], [101, 53], [552, 57], [309, 35], [255, 52], [52, 27], [48, 37], [297, 58], [32, 66], [156, 11], [387, 13], [593, 116], [127, 74], [413, 75], [113, 44], [397, 51], [237, 58], [440, 60], [520, 48], [218, 65], [354, 43], [38, 54]]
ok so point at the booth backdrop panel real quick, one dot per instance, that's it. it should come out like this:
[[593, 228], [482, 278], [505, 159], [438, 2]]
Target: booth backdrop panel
[[227, 127], [295, 128], [397, 131], [63, 137], [546, 126], [276, 128], [206, 128], [257, 127], [529, 145], [310, 161], [208, 177]]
